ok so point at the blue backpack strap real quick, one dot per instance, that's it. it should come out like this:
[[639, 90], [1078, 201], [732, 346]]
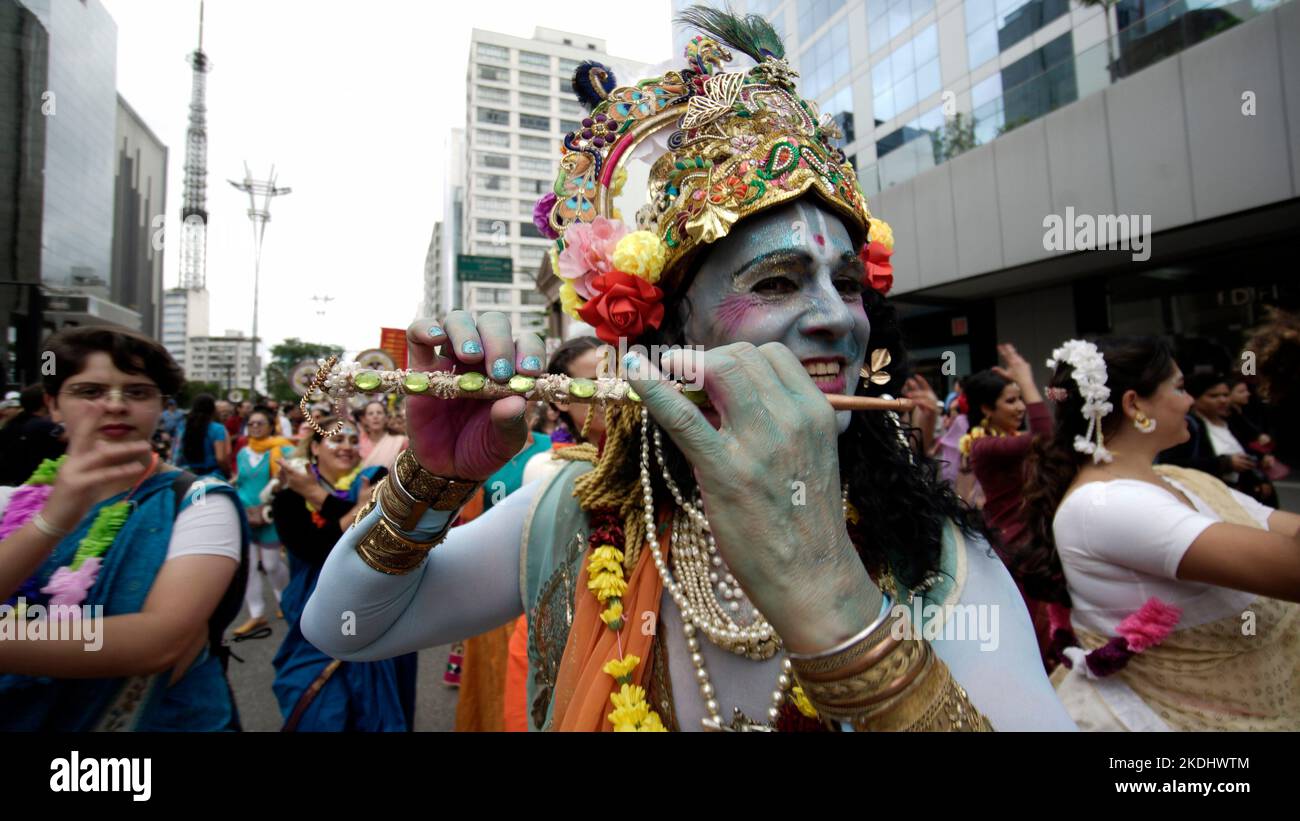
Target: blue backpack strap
[[233, 599]]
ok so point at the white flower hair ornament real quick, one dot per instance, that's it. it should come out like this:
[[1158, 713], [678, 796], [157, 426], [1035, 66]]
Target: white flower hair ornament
[[1090, 375]]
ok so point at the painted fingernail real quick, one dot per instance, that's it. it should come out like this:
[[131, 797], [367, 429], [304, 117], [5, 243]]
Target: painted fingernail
[[471, 347], [434, 330], [531, 363], [632, 363], [501, 370]]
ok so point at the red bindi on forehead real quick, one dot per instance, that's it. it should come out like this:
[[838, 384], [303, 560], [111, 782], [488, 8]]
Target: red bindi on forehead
[[819, 239]]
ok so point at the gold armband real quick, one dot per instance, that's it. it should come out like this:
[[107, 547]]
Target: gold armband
[[886, 683], [436, 492], [388, 551]]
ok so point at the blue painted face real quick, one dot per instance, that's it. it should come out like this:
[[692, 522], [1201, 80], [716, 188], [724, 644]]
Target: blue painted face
[[790, 275]]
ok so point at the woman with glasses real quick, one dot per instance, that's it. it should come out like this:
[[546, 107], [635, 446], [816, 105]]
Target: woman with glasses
[[116, 552], [317, 693], [201, 443], [257, 464]]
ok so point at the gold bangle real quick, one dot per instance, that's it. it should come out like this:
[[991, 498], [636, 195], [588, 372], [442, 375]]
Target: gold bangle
[[439, 492], [397, 506], [387, 551], [935, 702]]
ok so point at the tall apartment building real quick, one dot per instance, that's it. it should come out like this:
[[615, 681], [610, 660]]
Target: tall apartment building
[[520, 105], [228, 360], [976, 125]]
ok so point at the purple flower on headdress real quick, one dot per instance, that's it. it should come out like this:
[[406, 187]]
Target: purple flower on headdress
[[542, 215], [589, 252], [68, 586]]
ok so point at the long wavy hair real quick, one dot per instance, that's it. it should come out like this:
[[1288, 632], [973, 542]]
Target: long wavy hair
[[200, 416], [1138, 364], [902, 503]]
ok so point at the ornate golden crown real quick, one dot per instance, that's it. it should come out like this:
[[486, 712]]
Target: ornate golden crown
[[724, 145]]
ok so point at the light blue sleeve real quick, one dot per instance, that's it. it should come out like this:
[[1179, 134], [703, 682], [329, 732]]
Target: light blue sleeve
[[468, 585], [992, 651]]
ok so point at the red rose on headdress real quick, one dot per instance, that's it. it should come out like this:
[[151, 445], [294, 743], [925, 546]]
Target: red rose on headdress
[[622, 305], [880, 273]]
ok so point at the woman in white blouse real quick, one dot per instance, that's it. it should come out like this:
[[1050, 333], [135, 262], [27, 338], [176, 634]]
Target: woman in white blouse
[[1182, 590]]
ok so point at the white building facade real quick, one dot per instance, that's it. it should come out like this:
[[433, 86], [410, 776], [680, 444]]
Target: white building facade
[[520, 106], [227, 360]]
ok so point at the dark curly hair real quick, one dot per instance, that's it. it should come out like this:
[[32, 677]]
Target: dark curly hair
[[902, 503], [1137, 364]]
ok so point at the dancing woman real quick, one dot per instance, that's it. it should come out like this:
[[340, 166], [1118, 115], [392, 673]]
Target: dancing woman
[[728, 567], [1181, 589], [318, 693]]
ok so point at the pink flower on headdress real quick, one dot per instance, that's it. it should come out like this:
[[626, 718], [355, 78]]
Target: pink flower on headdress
[[589, 252], [71, 586]]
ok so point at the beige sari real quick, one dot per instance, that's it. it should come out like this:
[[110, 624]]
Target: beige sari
[[1241, 672]]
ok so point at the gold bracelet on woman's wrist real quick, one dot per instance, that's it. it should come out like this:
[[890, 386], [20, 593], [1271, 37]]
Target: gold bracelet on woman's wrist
[[437, 492], [887, 681], [388, 551]]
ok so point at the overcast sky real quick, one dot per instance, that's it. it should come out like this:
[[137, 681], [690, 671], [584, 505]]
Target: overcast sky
[[352, 102]]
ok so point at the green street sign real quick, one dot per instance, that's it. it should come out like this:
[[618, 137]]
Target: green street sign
[[484, 269]]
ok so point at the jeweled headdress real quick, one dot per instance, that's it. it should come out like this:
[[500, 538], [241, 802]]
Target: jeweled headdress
[[722, 146]]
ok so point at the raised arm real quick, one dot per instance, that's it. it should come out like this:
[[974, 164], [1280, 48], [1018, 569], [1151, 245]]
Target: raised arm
[[364, 609], [468, 585]]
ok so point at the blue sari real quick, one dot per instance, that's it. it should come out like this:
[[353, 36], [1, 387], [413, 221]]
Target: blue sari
[[373, 696], [200, 701]]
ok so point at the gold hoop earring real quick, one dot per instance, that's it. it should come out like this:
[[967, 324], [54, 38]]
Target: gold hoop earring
[[1144, 423]]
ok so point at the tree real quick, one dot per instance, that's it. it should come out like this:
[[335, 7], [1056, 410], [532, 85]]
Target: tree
[[286, 356], [955, 138], [192, 389]]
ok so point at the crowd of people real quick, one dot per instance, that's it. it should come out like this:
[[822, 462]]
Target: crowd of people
[[780, 545]]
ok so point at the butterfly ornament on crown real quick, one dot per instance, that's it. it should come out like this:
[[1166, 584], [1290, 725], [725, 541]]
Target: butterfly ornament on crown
[[721, 145]]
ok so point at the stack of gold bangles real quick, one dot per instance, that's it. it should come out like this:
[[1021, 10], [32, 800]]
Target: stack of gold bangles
[[403, 497], [884, 679]]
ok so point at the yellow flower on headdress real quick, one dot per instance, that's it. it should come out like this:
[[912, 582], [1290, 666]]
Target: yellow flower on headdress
[[621, 668], [652, 724], [620, 179], [627, 696], [881, 232], [570, 302], [640, 254]]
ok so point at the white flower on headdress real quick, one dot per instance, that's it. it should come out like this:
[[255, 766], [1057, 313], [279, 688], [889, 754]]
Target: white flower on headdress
[[1089, 372], [744, 143]]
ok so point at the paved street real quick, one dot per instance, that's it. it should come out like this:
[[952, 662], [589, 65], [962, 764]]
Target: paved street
[[435, 703]]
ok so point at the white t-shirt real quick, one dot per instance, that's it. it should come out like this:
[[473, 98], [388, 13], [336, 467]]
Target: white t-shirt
[[1121, 542], [208, 527], [1223, 442]]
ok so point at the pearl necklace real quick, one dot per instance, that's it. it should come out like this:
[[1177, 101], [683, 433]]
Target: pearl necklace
[[723, 614]]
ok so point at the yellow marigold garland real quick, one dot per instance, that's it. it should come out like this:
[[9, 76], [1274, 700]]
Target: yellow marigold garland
[[632, 713]]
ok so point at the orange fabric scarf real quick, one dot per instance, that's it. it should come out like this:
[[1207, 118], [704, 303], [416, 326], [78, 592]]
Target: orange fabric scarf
[[262, 444], [582, 688]]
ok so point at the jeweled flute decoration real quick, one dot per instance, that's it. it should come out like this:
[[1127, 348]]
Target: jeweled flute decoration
[[338, 381]]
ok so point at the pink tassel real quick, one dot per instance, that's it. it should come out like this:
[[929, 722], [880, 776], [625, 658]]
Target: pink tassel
[[25, 503], [1150, 625]]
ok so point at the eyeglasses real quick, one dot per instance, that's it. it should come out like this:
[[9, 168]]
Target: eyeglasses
[[92, 392]]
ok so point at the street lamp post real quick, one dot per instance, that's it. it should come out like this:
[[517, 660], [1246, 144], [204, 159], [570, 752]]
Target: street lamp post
[[259, 216]]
